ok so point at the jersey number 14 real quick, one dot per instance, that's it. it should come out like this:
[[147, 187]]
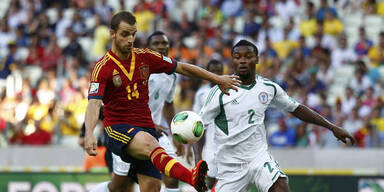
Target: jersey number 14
[[132, 93]]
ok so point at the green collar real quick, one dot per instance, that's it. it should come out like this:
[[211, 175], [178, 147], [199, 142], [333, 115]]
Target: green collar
[[248, 87]]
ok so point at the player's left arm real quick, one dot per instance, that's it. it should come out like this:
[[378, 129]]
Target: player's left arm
[[308, 115], [168, 65], [283, 101]]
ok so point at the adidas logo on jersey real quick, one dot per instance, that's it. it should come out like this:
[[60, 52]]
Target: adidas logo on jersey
[[234, 102]]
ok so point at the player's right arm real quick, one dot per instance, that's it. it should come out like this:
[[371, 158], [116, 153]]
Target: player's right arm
[[99, 78], [225, 82], [91, 119]]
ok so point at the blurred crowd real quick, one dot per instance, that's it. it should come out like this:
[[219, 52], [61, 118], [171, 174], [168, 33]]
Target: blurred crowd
[[328, 55]]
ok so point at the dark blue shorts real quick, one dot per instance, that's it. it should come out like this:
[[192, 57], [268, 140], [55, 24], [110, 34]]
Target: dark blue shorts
[[117, 139]]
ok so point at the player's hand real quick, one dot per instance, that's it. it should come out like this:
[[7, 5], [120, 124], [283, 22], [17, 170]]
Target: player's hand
[[227, 82], [180, 149], [90, 144], [160, 130], [343, 135]]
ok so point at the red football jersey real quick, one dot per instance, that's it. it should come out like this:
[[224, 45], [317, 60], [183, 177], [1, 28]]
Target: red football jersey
[[123, 85]]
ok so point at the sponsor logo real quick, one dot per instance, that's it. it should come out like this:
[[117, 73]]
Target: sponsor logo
[[94, 88], [263, 97], [235, 102]]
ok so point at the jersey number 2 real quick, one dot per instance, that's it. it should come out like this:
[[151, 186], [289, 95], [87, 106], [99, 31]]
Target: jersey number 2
[[251, 112], [134, 93]]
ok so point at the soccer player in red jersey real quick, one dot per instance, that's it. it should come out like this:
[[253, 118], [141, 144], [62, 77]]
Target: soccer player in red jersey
[[120, 81]]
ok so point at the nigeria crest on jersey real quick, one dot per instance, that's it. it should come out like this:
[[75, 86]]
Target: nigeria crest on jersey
[[263, 97]]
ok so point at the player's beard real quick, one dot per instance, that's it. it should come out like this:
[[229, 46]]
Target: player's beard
[[122, 49]]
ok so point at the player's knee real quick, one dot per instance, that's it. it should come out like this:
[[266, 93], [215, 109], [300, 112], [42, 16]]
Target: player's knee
[[142, 145], [281, 185]]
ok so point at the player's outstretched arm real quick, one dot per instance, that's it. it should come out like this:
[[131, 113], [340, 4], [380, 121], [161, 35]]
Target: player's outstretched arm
[[225, 82], [91, 119], [306, 114]]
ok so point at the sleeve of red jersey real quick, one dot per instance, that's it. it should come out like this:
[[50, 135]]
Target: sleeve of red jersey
[[98, 81], [160, 63]]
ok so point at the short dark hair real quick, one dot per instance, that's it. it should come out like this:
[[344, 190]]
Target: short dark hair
[[154, 34], [244, 42], [125, 16], [214, 62]]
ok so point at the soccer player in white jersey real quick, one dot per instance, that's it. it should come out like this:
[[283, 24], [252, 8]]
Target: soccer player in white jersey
[[161, 93], [241, 156], [204, 148]]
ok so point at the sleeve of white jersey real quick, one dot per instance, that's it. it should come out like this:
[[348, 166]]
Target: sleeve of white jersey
[[211, 108], [283, 101], [171, 93], [198, 101]]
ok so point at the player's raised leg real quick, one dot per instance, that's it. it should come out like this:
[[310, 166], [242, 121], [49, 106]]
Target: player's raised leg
[[144, 146]]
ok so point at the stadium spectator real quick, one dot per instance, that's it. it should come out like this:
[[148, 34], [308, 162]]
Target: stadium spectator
[[250, 25], [38, 137], [100, 38], [308, 24], [364, 44], [349, 102], [324, 8], [232, 8], [376, 53], [77, 24], [302, 136], [144, 16], [286, 9], [342, 55], [8, 63], [285, 46], [332, 25], [360, 82], [284, 137]]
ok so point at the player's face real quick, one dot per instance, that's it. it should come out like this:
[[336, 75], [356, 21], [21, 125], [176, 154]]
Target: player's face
[[244, 60], [124, 37], [216, 69], [160, 44]]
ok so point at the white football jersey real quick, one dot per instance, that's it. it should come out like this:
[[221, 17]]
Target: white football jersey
[[200, 97], [161, 89], [239, 118]]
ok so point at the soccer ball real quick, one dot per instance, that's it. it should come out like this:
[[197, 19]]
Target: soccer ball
[[187, 127]]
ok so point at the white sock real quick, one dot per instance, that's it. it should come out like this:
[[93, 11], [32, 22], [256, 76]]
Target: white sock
[[172, 190], [101, 187]]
